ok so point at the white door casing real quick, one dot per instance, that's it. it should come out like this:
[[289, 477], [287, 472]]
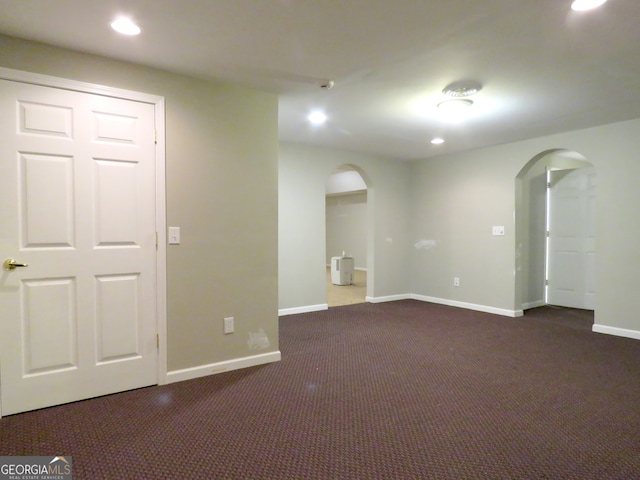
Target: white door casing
[[79, 206], [572, 234]]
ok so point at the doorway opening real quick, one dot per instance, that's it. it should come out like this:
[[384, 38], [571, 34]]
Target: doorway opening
[[346, 229], [555, 231]]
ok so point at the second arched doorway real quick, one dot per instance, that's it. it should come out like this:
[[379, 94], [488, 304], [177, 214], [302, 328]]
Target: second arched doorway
[[555, 231]]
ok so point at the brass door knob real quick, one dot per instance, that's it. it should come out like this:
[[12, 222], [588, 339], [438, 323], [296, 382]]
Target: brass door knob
[[11, 264]]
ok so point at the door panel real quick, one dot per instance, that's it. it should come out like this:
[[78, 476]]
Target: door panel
[[571, 274], [46, 203], [49, 325], [115, 195], [77, 173]]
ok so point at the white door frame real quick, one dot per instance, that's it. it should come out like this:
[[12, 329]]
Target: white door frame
[[161, 264]]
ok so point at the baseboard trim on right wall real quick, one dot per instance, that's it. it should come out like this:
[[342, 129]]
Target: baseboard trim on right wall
[[471, 306], [618, 332]]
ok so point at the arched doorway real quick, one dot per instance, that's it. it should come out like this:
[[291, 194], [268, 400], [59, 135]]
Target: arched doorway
[[347, 226], [555, 231]]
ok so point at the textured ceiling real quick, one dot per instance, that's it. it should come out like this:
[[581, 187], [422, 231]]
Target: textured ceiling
[[544, 68]]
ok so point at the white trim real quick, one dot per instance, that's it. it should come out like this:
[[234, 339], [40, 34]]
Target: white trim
[[220, 367], [388, 298], [161, 251], [306, 309], [160, 215], [536, 304], [469, 306], [76, 86], [412, 296], [618, 332]]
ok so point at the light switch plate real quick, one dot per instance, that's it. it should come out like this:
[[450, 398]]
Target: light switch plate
[[174, 235], [498, 230], [229, 326]]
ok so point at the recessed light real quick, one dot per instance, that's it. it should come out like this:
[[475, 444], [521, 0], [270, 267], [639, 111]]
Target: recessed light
[[125, 26], [582, 5], [317, 118], [437, 141]]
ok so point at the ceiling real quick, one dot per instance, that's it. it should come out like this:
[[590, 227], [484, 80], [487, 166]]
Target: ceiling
[[543, 67]]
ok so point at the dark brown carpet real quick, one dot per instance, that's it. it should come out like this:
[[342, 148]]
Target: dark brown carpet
[[403, 390]]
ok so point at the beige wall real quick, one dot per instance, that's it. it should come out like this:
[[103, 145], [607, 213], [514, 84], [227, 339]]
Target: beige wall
[[456, 200], [221, 164]]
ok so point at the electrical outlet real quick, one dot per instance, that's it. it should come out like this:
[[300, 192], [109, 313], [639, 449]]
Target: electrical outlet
[[456, 281], [228, 325]]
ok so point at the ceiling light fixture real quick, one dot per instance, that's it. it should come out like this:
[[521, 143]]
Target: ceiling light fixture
[[582, 5], [462, 89], [437, 141], [317, 118], [125, 26], [459, 105], [455, 111]]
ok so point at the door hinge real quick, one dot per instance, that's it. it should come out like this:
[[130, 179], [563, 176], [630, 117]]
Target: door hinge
[[547, 233], [546, 283], [155, 137], [548, 184], [156, 240], [158, 341]]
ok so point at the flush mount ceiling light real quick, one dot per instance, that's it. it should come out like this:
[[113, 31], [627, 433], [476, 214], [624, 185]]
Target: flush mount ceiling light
[[460, 105], [125, 26], [582, 5], [317, 118], [462, 89], [455, 111], [437, 141]]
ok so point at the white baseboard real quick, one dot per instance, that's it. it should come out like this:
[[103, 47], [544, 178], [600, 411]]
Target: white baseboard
[[469, 306], [412, 296], [388, 298], [305, 309], [618, 332], [226, 366], [536, 304]]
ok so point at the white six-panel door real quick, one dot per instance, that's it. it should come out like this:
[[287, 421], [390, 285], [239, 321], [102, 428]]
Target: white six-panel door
[[572, 237], [77, 204]]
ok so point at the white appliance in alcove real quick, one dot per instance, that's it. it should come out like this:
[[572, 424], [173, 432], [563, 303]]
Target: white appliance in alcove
[[342, 270]]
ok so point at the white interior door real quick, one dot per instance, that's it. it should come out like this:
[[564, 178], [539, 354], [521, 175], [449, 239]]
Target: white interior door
[[77, 176], [572, 235]]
